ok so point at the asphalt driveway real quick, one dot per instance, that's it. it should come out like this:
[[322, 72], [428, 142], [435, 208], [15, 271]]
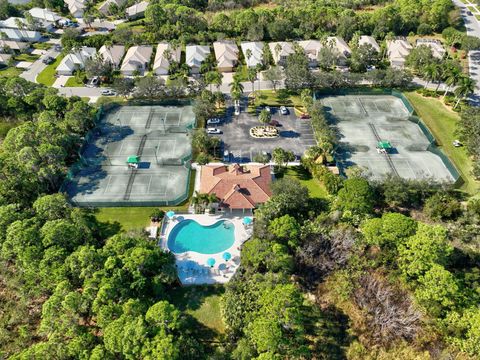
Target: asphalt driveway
[[295, 135]]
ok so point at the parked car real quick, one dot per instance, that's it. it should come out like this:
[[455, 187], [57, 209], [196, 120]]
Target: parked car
[[108, 92], [214, 121], [457, 143], [274, 123], [93, 82], [268, 108], [57, 47], [266, 155], [283, 110], [226, 156], [48, 60], [304, 116], [237, 110], [469, 13], [212, 130]]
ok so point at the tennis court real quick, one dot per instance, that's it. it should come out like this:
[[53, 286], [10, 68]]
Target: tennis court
[[365, 120], [157, 137]]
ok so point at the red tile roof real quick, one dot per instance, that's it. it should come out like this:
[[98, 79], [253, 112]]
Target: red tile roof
[[238, 187]]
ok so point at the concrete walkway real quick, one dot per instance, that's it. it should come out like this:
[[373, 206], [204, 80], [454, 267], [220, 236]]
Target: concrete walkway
[[61, 81]]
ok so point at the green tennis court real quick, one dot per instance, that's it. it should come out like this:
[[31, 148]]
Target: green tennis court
[[366, 123], [157, 137]]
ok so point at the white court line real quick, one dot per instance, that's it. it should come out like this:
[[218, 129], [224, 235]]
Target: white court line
[[167, 141], [121, 148], [108, 183], [149, 183]]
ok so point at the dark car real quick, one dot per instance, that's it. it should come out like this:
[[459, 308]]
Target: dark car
[[48, 60], [304, 116], [274, 123]]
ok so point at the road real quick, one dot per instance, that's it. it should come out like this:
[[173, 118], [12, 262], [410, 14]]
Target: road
[[38, 66], [473, 29]]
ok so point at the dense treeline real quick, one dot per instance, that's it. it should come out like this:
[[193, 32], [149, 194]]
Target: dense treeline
[[186, 21], [71, 290], [409, 288]]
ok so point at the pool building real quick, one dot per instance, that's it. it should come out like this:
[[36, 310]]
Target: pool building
[[239, 187]]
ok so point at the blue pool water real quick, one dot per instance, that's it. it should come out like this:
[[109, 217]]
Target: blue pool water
[[189, 235]]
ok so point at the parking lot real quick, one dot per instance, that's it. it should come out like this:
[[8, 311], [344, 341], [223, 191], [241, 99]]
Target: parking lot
[[295, 135]]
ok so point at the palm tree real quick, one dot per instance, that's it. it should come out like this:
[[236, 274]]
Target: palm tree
[[431, 73], [248, 55], [264, 117], [236, 89], [452, 75], [213, 78], [466, 86], [252, 76]]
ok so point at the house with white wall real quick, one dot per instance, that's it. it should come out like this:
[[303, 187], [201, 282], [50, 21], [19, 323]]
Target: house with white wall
[[136, 60], [195, 55]]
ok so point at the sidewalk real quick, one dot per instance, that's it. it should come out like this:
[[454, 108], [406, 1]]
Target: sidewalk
[[61, 81]]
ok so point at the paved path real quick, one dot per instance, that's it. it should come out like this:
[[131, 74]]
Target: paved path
[[38, 66], [61, 81], [473, 29]]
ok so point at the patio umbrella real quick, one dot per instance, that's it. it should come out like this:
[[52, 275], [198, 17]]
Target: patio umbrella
[[226, 256], [211, 262], [170, 214], [247, 220]]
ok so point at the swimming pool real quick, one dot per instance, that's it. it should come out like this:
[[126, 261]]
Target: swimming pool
[[189, 235]]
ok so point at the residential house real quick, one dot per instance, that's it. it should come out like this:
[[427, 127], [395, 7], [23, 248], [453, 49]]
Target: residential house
[[365, 39], [10, 45], [22, 24], [112, 54], [280, 51], [5, 58], [76, 7], [105, 7], [20, 35], [341, 47], [136, 11], [237, 187], [397, 52], [226, 54], [75, 60], [311, 48], [253, 53], [195, 56], [46, 17], [165, 54], [136, 60], [438, 51]]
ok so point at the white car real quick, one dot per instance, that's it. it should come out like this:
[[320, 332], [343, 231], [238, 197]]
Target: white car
[[214, 121], [267, 108], [212, 130], [108, 92], [283, 110], [237, 110]]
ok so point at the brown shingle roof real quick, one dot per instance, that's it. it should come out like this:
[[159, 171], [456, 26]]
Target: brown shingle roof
[[237, 187]]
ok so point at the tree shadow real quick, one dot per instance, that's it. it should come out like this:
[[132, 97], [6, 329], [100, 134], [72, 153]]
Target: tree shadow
[[329, 327]]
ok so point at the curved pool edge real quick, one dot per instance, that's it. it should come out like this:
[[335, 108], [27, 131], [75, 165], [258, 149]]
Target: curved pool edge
[[210, 225]]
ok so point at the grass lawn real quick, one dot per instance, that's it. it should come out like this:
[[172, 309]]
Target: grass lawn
[[10, 71], [72, 82], [202, 302], [315, 187], [135, 217], [442, 123], [27, 57], [274, 98], [42, 46], [47, 76]]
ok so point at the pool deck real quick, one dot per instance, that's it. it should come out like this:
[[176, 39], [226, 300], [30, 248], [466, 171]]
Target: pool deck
[[192, 266]]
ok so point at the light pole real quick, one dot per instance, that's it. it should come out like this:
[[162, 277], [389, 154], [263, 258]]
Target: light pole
[[156, 149]]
